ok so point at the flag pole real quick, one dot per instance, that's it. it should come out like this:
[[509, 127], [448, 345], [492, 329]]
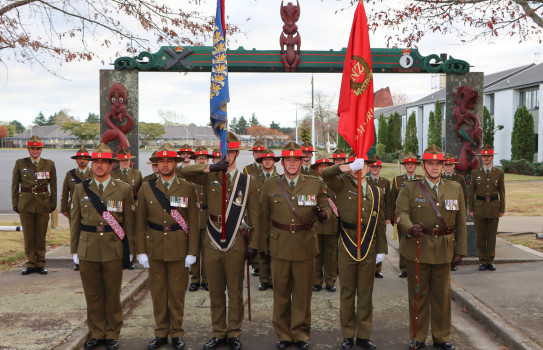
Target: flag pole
[[359, 216], [223, 208]]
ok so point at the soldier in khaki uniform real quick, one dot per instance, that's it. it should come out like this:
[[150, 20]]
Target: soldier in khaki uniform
[[487, 206], [167, 242], [185, 152], [199, 276], [154, 166], [267, 160], [443, 242], [34, 196], [326, 260], [356, 275], [339, 156], [97, 246], [225, 260], [290, 238], [410, 163], [307, 151], [126, 174], [450, 174], [215, 155], [72, 178]]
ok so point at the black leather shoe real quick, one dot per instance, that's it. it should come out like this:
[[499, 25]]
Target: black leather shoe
[[317, 288], [302, 345], [256, 272], [403, 274], [131, 267], [444, 346], [331, 288], [482, 267], [28, 271], [491, 267], [93, 343], [76, 267], [283, 344], [205, 286], [418, 345], [213, 343], [178, 343], [157, 343], [365, 344], [347, 344], [41, 270], [235, 343], [112, 344], [194, 287], [263, 286], [378, 274], [453, 268]]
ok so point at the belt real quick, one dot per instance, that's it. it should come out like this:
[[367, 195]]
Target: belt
[[487, 199], [292, 227], [34, 189], [350, 226], [88, 228], [217, 219], [438, 231], [165, 227]]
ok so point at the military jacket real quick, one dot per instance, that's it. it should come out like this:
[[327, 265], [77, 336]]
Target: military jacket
[[201, 203], [397, 184], [384, 184], [101, 246], [27, 175], [413, 206], [133, 178], [310, 171], [489, 186], [300, 245], [167, 245], [212, 183], [252, 169], [346, 190], [150, 177], [461, 180], [328, 227], [68, 187]]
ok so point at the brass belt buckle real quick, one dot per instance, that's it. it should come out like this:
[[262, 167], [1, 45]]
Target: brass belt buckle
[[487, 199], [34, 190], [167, 228], [292, 228], [434, 232], [219, 219], [100, 229]]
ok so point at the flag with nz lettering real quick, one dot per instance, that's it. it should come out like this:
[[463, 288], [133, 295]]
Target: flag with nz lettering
[[355, 108], [219, 94]]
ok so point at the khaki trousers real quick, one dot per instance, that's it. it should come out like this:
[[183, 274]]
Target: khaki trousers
[[434, 297], [102, 287], [199, 274], [168, 281], [292, 291], [34, 232], [265, 270], [486, 230], [326, 260], [402, 264]]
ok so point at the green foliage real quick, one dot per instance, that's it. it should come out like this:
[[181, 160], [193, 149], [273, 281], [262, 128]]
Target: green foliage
[[305, 134], [523, 136], [438, 122], [241, 126], [93, 118], [489, 128], [394, 133], [431, 128], [84, 132], [382, 132], [275, 125], [19, 128], [254, 120], [411, 143], [40, 120], [522, 167], [380, 149], [150, 131]]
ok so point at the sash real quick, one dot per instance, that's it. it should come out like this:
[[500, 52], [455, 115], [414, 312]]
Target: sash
[[234, 214], [369, 233], [75, 177], [110, 219], [165, 203], [432, 203]]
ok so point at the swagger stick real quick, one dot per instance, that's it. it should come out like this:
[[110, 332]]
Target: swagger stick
[[248, 291], [415, 303], [223, 208], [359, 216]]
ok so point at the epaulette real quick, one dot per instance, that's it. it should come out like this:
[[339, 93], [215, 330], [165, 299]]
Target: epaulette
[[312, 176]]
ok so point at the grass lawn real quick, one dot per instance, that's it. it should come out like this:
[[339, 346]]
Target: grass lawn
[[526, 239]]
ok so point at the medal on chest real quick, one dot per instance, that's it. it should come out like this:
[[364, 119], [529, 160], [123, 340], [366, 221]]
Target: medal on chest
[[115, 206], [179, 202], [451, 204], [307, 200], [42, 175]]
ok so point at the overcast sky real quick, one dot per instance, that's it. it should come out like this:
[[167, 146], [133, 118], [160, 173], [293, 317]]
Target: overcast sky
[[25, 89]]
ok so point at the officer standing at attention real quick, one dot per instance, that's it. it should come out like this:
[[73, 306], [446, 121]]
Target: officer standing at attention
[[326, 260], [155, 174], [126, 174], [410, 163], [290, 205], [487, 206], [215, 155], [374, 179], [307, 151], [224, 259], [339, 156], [431, 211], [356, 275], [33, 178], [184, 152], [267, 160], [199, 276], [101, 229], [450, 174], [167, 242], [72, 178]]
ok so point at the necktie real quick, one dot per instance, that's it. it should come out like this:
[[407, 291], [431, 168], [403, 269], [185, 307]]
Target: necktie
[[292, 185], [267, 175], [434, 189], [101, 189], [166, 186], [227, 179]]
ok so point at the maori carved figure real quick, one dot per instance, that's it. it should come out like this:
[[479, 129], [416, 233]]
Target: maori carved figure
[[117, 97], [467, 127], [289, 39]]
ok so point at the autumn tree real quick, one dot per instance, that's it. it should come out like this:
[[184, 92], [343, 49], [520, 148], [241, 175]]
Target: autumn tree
[[84, 132], [267, 135], [150, 131]]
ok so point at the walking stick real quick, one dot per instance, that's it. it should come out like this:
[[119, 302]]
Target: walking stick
[[223, 208], [359, 216], [415, 304]]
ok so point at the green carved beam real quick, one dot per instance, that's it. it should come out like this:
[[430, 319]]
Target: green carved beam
[[269, 61]]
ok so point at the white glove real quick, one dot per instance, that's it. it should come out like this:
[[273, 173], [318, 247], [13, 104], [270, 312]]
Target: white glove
[[189, 260], [358, 164], [143, 260], [380, 258], [131, 258], [76, 259]]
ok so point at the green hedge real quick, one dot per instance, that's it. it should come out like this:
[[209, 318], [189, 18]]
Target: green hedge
[[391, 157], [522, 167]]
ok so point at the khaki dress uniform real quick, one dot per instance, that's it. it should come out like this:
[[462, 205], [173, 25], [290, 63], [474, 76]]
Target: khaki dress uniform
[[254, 169], [130, 176], [100, 253], [292, 252], [225, 269], [461, 180], [487, 201], [436, 252], [150, 177], [384, 185], [34, 194], [167, 248], [69, 185], [307, 170], [199, 275], [356, 278]]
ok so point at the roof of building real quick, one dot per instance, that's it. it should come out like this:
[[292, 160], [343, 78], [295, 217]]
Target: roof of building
[[531, 75], [382, 98], [387, 111]]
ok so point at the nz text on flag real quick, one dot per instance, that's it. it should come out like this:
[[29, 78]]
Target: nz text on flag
[[219, 94], [355, 108]]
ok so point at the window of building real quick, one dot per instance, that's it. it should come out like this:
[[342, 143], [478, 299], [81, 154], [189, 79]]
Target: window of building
[[529, 98]]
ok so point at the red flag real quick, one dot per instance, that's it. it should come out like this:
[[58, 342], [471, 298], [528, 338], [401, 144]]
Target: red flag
[[355, 107]]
